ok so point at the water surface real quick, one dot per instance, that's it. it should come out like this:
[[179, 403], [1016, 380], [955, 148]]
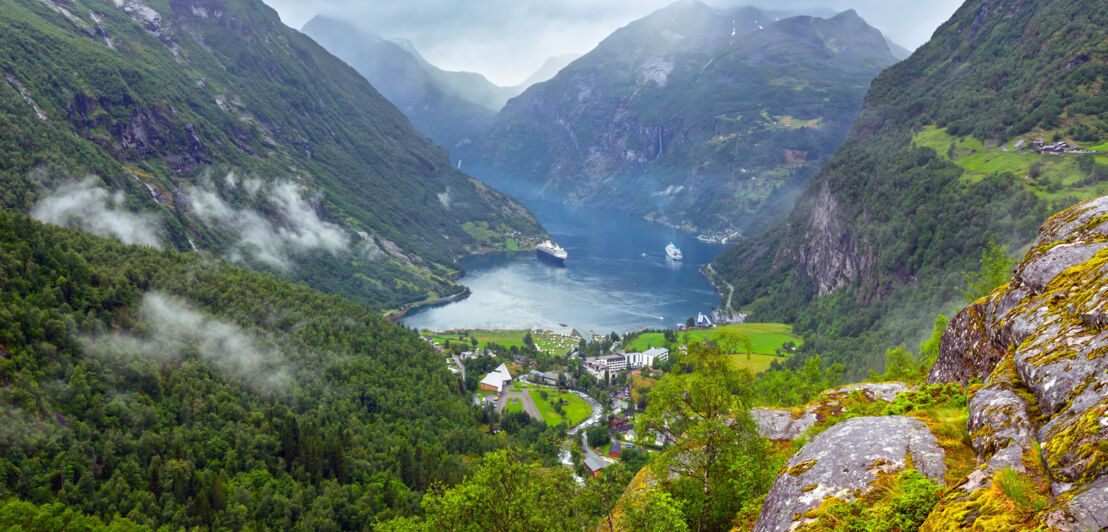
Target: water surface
[[617, 278]]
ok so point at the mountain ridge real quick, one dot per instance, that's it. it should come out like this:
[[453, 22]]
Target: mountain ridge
[[677, 117]]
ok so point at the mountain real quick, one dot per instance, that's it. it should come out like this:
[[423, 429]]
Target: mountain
[[549, 69], [959, 144], [700, 118], [209, 125], [448, 107], [899, 52]]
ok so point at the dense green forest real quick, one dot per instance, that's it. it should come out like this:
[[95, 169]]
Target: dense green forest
[[163, 102], [170, 389], [878, 243]]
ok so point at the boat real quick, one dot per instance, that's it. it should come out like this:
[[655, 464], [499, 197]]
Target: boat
[[673, 252], [552, 252]]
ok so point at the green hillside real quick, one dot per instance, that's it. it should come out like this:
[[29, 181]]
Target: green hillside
[[941, 159], [174, 390], [702, 118], [209, 116]]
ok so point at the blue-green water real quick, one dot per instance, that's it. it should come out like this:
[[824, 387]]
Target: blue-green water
[[617, 278]]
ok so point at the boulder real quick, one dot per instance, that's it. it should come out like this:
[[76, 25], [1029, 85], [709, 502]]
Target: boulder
[[844, 461], [781, 424]]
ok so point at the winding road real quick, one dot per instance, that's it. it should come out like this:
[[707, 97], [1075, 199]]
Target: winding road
[[729, 285]]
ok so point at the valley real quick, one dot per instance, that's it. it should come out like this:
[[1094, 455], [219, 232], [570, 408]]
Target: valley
[[706, 268]]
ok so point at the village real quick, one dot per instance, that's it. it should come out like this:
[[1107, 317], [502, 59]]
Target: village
[[593, 388]]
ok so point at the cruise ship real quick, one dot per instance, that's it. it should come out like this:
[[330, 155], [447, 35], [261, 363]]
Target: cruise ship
[[673, 252], [550, 251]]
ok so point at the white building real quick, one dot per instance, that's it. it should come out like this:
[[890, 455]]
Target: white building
[[646, 358], [612, 363], [497, 379]]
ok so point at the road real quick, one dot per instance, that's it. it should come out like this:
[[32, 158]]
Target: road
[[729, 286], [524, 399]]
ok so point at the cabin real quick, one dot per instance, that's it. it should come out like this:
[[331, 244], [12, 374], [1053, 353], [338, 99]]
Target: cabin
[[614, 449], [595, 464]]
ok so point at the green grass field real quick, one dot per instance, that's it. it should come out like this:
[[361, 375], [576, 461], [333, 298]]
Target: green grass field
[[575, 412], [754, 363], [514, 405], [764, 337], [980, 161]]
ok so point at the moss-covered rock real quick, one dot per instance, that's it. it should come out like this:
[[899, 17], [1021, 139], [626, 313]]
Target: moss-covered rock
[[1042, 413]]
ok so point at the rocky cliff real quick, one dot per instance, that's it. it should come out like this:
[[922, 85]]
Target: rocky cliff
[[1025, 446]]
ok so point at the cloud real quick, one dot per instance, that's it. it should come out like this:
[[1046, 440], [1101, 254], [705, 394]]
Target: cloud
[[174, 329], [88, 206], [296, 230], [507, 40]]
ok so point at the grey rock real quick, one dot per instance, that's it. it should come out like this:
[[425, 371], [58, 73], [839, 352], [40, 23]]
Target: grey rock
[[877, 391], [843, 461], [998, 417], [779, 424], [1087, 510], [1038, 273]]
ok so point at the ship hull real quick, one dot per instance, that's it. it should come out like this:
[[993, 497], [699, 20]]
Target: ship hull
[[547, 257]]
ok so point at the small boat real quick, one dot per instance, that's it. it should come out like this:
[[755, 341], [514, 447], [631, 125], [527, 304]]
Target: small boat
[[673, 252]]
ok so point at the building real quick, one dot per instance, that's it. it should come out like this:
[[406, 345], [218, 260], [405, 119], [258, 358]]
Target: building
[[497, 380], [646, 358], [548, 378], [702, 320], [594, 464], [614, 450], [596, 371], [615, 362]]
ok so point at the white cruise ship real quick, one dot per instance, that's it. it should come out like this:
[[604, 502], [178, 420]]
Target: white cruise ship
[[673, 252], [550, 251]]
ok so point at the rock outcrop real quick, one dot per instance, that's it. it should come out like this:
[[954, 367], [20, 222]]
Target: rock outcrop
[[1039, 344], [844, 462], [781, 424]]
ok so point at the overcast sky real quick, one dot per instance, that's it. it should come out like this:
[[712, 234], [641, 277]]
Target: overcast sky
[[507, 40]]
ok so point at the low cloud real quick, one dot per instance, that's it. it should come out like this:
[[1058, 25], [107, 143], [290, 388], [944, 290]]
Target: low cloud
[[88, 206], [296, 230], [174, 329]]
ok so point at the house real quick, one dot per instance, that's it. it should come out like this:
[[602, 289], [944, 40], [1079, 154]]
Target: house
[[594, 464], [619, 421], [614, 450], [548, 378], [702, 320], [497, 380]]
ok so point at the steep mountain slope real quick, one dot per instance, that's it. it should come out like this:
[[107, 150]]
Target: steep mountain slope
[[229, 132], [176, 391], [951, 149], [443, 111], [700, 118]]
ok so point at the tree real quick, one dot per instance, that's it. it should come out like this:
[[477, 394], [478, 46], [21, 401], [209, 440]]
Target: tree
[[598, 435], [718, 462], [505, 493], [901, 365], [995, 268], [602, 492], [651, 510], [732, 341], [929, 350]]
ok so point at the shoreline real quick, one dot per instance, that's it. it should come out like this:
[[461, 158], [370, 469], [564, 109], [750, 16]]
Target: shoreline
[[394, 315]]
